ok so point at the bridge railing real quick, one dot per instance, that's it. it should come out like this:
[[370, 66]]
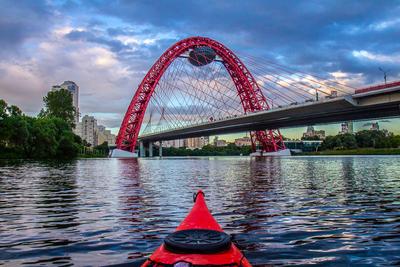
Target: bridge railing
[[377, 87]]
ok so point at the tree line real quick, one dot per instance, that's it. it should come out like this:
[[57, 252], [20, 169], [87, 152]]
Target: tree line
[[47, 136], [207, 150], [361, 139]]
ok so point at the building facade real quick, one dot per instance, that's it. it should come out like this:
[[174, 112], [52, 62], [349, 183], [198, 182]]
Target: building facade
[[174, 143], [311, 132], [374, 126], [197, 142], [73, 88], [104, 135], [94, 134], [347, 127], [244, 141], [88, 130], [219, 143]]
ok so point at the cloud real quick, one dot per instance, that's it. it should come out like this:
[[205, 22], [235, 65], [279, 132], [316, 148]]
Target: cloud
[[80, 35], [107, 47], [351, 79], [20, 84], [385, 24], [362, 54], [21, 21], [103, 79]]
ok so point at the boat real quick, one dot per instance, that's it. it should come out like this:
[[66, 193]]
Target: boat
[[198, 241]]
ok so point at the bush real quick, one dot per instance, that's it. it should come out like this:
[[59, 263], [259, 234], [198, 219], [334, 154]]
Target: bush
[[362, 139], [43, 138]]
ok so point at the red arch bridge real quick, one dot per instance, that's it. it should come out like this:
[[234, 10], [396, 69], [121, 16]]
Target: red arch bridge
[[199, 87]]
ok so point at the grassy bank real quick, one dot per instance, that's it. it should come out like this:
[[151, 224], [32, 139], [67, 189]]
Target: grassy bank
[[359, 151], [83, 156], [14, 155], [10, 155]]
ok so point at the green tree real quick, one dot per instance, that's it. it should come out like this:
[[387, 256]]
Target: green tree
[[394, 141], [3, 117], [3, 109], [372, 138], [59, 104], [364, 139], [340, 141], [22, 136], [45, 141], [348, 141], [14, 111], [208, 150], [329, 143], [67, 146], [103, 147], [17, 133]]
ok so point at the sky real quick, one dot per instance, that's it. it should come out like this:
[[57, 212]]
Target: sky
[[106, 47]]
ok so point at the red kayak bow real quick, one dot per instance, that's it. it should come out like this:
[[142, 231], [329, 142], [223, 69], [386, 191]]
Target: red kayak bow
[[198, 241]]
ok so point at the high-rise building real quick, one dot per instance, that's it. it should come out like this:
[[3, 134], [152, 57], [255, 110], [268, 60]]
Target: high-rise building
[[197, 142], [73, 88], [244, 141], [313, 133], [88, 130], [219, 143], [374, 126], [174, 143], [104, 135], [94, 134], [347, 127]]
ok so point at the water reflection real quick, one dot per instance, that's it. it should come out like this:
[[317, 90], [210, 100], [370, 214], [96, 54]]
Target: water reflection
[[282, 211]]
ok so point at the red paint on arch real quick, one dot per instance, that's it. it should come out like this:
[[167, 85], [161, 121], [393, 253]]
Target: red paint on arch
[[248, 90]]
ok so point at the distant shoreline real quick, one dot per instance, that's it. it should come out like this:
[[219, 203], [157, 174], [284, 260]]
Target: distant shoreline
[[359, 151]]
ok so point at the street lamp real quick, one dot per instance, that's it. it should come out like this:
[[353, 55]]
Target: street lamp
[[384, 73], [316, 92]]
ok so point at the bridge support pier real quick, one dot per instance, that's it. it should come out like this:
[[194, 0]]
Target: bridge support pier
[[142, 152], [160, 150], [150, 149]]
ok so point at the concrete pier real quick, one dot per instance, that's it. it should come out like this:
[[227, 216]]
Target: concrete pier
[[150, 149], [160, 149], [142, 152]]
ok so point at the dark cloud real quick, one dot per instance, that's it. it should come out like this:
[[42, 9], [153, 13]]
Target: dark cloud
[[115, 31], [308, 34], [313, 36], [114, 45], [21, 20]]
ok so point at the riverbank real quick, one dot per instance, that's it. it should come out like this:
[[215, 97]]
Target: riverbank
[[15, 156], [359, 151], [91, 156]]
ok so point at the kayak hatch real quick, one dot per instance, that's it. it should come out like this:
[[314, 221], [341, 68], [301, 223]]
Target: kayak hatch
[[198, 241]]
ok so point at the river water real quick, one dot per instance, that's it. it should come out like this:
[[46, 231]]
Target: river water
[[319, 211]]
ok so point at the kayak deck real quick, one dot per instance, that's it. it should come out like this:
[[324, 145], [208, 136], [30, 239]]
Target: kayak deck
[[198, 241]]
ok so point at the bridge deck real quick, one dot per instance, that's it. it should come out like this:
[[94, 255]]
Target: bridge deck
[[372, 104]]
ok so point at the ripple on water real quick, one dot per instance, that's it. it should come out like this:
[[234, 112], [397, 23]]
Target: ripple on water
[[324, 211]]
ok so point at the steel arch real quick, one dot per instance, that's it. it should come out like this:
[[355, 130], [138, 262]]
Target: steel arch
[[248, 90]]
